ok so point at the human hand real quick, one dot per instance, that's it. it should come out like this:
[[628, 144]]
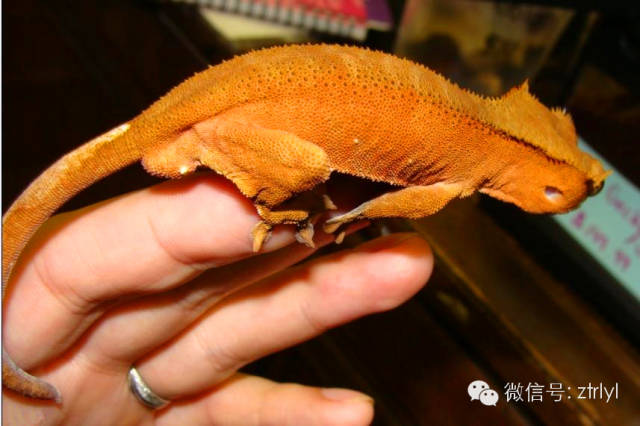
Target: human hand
[[164, 279]]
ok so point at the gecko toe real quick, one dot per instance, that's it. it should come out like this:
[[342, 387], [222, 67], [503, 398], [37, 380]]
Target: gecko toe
[[328, 203], [305, 235], [332, 225], [261, 233], [330, 228]]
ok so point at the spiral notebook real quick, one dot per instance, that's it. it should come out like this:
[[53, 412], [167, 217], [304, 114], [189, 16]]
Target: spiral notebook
[[347, 18]]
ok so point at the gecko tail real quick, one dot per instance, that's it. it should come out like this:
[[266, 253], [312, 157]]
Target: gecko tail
[[75, 171], [16, 379]]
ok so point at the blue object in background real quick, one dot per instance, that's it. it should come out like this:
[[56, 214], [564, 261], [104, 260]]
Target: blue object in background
[[608, 227]]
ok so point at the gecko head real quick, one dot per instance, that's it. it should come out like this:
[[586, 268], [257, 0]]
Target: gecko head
[[543, 186], [547, 172]]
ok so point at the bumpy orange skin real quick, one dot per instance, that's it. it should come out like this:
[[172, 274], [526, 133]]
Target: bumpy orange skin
[[278, 121], [387, 119]]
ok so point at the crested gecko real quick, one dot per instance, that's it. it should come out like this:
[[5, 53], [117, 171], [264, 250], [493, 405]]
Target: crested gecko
[[277, 122]]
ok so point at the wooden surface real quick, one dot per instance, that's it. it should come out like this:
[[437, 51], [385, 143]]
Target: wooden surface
[[73, 70]]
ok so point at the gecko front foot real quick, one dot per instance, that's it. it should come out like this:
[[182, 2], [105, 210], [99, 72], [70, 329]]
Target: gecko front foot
[[332, 225]]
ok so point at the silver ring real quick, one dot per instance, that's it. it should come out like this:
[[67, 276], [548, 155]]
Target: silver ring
[[144, 394]]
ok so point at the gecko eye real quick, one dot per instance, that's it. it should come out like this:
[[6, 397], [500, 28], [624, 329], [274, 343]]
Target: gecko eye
[[553, 194]]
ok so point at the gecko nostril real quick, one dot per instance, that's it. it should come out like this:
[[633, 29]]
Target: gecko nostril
[[553, 194], [593, 189]]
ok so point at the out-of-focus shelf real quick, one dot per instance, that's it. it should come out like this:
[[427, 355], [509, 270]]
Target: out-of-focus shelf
[[525, 324]]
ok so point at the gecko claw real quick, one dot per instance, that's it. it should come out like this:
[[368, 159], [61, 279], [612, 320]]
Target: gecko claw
[[328, 203], [305, 235], [260, 233]]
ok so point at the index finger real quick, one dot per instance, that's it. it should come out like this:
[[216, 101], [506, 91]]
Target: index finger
[[143, 242]]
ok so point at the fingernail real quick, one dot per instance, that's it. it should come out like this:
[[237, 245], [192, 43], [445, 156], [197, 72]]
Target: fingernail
[[345, 395], [388, 241]]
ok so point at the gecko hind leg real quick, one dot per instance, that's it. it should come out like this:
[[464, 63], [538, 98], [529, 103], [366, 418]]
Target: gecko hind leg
[[269, 166]]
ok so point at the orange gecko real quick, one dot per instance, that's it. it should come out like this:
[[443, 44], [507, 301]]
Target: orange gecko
[[277, 122]]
